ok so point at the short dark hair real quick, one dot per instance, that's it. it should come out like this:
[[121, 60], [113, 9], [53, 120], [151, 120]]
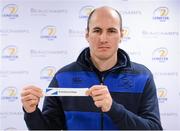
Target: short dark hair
[[92, 12]]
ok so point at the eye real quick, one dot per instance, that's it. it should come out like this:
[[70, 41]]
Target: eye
[[96, 30], [112, 31]]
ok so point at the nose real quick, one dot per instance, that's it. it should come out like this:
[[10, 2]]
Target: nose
[[103, 37]]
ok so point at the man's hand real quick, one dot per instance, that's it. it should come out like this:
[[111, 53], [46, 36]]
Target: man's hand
[[30, 97], [101, 96]]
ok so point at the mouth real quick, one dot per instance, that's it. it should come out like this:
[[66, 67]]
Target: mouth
[[103, 47]]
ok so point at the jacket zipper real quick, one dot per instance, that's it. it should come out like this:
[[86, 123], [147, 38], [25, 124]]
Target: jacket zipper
[[102, 114], [101, 79]]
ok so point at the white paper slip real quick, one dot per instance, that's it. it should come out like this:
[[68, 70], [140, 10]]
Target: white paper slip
[[65, 91]]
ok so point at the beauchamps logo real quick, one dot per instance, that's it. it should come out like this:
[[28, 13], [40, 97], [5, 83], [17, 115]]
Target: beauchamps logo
[[9, 94], [47, 73], [160, 55], [157, 34], [46, 11], [161, 14], [10, 11], [85, 11], [162, 95], [49, 32], [76, 33], [126, 32], [47, 53], [130, 12], [13, 72], [10, 53]]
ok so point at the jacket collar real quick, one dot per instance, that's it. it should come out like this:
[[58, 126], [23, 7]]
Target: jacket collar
[[123, 59]]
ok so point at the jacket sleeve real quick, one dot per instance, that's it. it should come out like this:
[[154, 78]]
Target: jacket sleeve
[[52, 115], [148, 117]]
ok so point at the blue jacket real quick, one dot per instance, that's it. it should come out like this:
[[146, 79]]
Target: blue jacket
[[135, 104]]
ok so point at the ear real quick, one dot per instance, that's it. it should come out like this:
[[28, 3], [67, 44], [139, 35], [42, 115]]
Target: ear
[[121, 35], [87, 34]]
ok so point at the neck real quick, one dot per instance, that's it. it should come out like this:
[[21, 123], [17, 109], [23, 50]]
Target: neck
[[104, 64]]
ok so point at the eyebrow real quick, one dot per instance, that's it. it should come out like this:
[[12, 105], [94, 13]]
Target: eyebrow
[[98, 28], [112, 28]]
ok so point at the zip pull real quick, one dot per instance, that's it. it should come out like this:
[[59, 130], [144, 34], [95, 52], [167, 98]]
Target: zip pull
[[102, 80]]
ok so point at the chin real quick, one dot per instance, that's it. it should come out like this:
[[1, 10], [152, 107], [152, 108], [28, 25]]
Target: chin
[[103, 57]]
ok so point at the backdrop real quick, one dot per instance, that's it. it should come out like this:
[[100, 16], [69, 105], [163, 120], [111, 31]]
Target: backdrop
[[37, 37]]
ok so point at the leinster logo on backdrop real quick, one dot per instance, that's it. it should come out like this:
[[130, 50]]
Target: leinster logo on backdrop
[[160, 55], [10, 11], [85, 11], [161, 14], [49, 33], [10, 53], [126, 35], [47, 73], [162, 95], [10, 94]]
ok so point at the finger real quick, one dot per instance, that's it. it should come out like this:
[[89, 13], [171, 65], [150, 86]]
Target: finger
[[98, 104], [33, 105], [99, 92], [97, 87], [32, 102], [87, 92], [33, 87], [29, 97], [23, 94], [33, 92], [100, 97]]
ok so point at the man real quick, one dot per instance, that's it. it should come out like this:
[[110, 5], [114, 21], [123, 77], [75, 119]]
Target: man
[[121, 95]]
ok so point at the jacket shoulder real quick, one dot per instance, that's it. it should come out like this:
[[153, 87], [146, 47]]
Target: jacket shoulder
[[140, 68]]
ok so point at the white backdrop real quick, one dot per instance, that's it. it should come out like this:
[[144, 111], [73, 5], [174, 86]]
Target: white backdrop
[[37, 37]]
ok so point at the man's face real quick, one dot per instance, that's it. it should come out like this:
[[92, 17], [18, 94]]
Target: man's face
[[104, 34]]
